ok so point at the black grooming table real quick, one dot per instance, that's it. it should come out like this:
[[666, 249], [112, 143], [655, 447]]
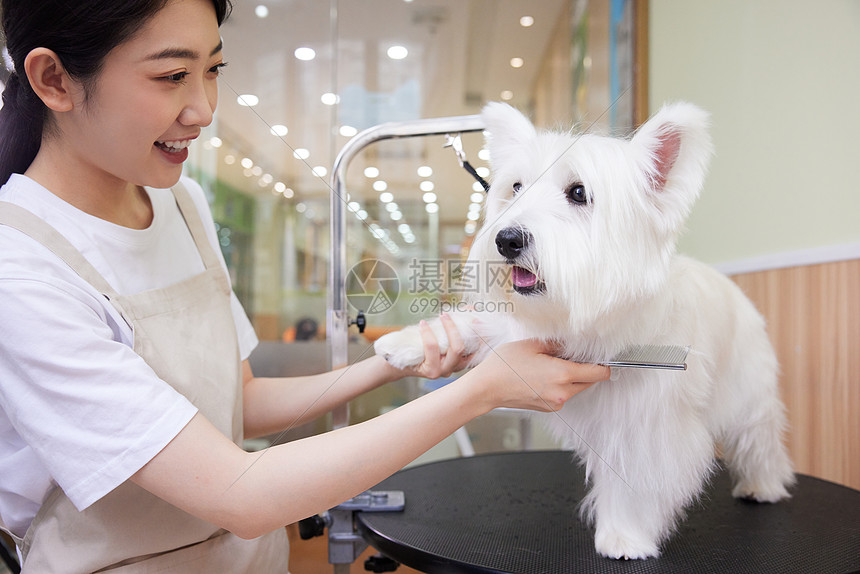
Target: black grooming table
[[516, 513]]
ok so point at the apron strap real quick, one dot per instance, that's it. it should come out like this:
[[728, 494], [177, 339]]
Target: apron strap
[[29, 224], [195, 225]]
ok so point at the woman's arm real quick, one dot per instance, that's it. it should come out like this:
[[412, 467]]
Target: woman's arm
[[205, 474], [274, 404]]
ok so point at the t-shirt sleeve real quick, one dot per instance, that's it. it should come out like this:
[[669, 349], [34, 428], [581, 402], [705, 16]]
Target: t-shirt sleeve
[[92, 410], [248, 340]]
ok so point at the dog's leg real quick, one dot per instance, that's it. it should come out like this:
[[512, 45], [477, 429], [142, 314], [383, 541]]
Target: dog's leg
[[405, 348], [642, 481], [756, 456]]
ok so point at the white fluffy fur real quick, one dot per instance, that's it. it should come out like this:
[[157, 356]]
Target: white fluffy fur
[[612, 279]]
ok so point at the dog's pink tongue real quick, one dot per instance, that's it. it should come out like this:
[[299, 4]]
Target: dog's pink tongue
[[522, 277]]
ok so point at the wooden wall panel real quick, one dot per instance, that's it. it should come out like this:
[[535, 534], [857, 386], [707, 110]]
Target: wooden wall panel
[[813, 315]]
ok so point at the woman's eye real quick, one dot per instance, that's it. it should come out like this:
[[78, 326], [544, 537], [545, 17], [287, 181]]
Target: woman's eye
[[177, 77], [576, 193], [217, 68], [517, 187]]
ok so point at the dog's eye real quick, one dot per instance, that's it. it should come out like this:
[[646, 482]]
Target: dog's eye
[[576, 193], [517, 187]]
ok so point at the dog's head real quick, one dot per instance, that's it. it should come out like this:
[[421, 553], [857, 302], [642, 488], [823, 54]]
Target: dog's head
[[587, 224]]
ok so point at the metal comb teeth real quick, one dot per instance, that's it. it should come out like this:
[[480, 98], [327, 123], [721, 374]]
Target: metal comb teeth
[[670, 357]]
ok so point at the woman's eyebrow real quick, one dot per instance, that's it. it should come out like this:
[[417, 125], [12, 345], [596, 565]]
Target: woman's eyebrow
[[181, 53]]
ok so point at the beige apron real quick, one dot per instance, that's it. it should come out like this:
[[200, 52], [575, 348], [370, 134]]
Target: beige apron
[[186, 333]]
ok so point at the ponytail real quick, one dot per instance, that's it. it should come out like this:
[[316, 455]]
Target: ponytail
[[21, 121]]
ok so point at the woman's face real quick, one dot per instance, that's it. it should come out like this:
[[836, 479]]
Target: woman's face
[[152, 97]]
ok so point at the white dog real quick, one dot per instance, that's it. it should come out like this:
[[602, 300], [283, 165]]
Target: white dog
[[587, 226]]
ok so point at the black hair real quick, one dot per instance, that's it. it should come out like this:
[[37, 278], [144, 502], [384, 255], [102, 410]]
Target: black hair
[[81, 33]]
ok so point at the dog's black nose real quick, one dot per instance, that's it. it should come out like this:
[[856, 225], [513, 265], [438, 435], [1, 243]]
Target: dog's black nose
[[511, 241]]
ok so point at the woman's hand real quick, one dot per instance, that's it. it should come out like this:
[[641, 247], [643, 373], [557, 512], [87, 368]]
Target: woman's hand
[[525, 375], [437, 364]]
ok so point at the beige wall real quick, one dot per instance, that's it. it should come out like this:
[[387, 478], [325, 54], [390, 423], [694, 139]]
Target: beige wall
[[781, 79]]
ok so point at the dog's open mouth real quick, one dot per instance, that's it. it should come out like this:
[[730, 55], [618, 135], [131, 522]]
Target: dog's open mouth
[[525, 282]]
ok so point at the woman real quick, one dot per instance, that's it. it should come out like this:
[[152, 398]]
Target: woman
[[125, 390]]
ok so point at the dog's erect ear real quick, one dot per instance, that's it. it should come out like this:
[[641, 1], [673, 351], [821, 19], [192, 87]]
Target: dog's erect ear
[[673, 150], [506, 129]]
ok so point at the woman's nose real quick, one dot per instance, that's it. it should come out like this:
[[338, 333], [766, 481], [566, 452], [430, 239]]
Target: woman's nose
[[200, 106]]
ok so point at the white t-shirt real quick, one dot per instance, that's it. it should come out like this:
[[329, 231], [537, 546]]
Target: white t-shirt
[[63, 420]]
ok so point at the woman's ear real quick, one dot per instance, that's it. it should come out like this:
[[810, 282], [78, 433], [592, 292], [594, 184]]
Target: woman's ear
[[49, 80]]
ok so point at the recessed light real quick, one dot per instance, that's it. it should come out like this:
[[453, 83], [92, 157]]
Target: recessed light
[[431, 208], [426, 186], [215, 142], [247, 163], [248, 100], [329, 99], [279, 130], [507, 95], [320, 171], [425, 171], [397, 52], [348, 131], [526, 21], [429, 197], [380, 185], [261, 11], [371, 172], [517, 62], [386, 197], [477, 197], [305, 54], [301, 153]]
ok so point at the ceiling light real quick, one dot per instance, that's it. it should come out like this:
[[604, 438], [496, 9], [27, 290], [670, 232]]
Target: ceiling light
[[380, 185], [526, 21], [507, 95], [386, 197], [280, 187], [247, 163], [403, 228], [289, 192], [391, 207], [483, 171], [320, 171], [279, 130], [305, 54], [248, 100], [426, 186], [371, 172], [429, 197], [397, 52], [425, 171], [261, 11], [432, 208], [257, 171], [478, 187], [301, 153], [267, 178], [301, 207], [348, 131], [396, 216], [474, 207], [484, 154], [517, 62], [229, 159], [473, 215], [329, 99], [362, 214], [470, 228], [354, 206], [215, 142], [477, 197]]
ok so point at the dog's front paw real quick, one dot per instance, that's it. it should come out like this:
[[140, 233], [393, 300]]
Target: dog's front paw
[[402, 348], [613, 543]]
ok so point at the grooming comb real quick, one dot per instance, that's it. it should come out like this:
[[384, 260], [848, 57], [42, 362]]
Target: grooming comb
[[670, 357]]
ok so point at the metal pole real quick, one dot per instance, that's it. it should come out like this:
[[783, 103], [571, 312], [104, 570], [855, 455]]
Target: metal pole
[[337, 320]]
